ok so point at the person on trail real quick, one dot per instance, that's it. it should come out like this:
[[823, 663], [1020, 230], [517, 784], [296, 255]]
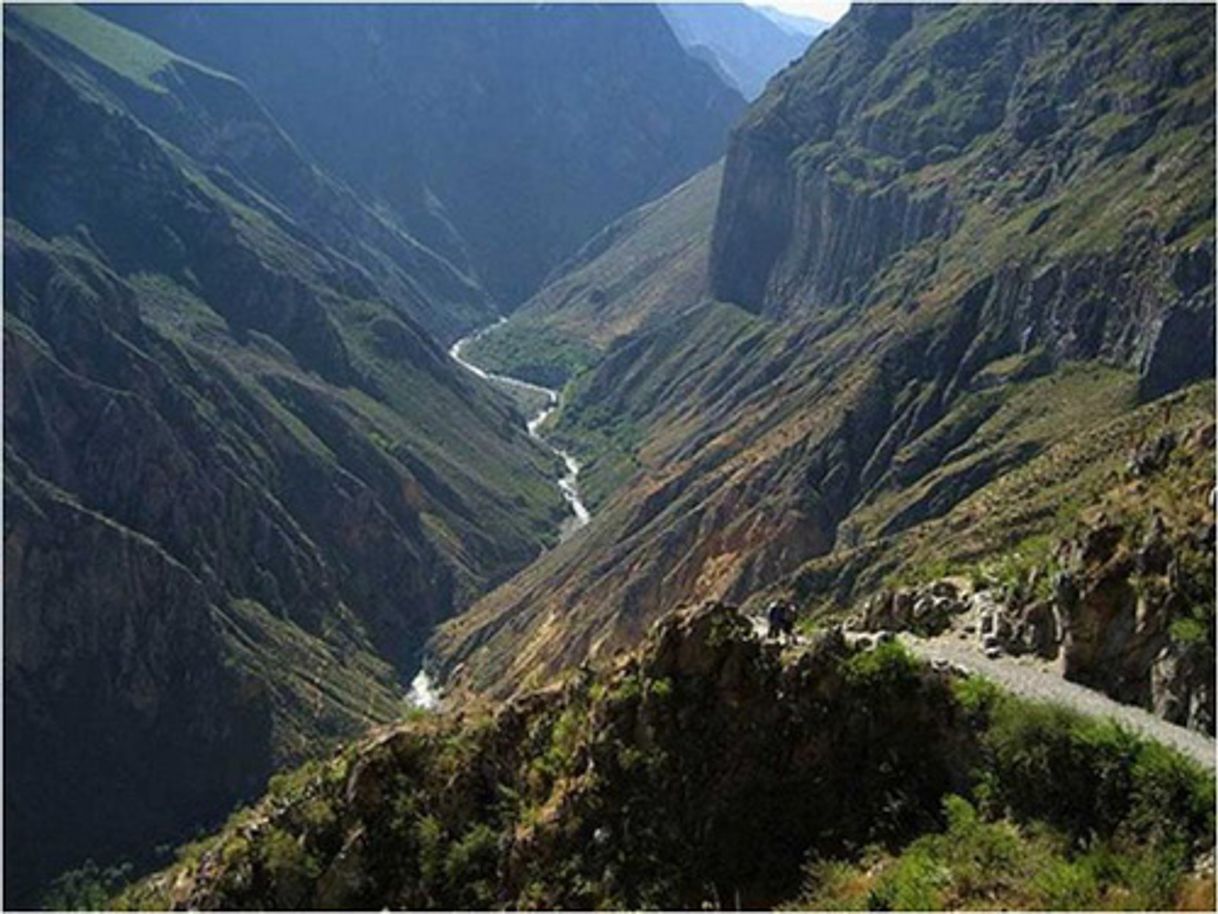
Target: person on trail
[[775, 616], [788, 621], [781, 618]]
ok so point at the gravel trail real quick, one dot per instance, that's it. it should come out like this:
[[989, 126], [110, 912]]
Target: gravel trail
[[1030, 681]]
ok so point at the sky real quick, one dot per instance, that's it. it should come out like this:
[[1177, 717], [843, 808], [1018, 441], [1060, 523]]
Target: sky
[[825, 10]]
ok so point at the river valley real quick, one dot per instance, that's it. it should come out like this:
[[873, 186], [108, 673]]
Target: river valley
[[424, 692]]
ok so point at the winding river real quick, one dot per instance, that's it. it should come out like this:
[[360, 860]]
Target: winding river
[[423, 691], [567, 483]]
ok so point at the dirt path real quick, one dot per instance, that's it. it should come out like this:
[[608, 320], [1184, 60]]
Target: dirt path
[[1030, 680]]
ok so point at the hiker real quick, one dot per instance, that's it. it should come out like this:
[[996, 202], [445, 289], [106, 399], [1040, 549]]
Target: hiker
[[781, 619], [788, 621]]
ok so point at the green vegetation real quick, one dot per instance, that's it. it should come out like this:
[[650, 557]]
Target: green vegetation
[[86, 888], [1086, 776], [531, 351], [959, 795], [887, 667], [127, 54], [978, 863], [1066, 813]]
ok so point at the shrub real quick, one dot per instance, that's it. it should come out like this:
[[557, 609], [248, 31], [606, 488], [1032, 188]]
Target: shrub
[[1189, 630], [470, 867], [87, 888], [1089, 776], [1067, 886], [977, 696], [887, 666]]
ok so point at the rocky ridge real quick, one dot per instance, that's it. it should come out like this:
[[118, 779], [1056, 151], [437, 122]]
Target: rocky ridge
[[705, 766], [242, 481]]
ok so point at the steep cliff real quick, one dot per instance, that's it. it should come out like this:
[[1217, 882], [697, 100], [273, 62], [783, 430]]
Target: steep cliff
[[524, 128], [929, 286], [911, 131], [242, 481]]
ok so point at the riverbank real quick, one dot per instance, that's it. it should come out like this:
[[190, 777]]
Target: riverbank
[[424, 692], [568, 483]]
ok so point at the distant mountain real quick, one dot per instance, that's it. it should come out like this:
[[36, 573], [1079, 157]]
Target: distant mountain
[[242, 482], [738, 40], [523, 128], [799, 25]]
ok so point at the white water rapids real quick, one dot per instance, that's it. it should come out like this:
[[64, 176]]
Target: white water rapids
[[423, 692]]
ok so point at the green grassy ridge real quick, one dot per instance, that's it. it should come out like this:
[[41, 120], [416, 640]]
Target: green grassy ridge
[[130, 56], [1109, 815]]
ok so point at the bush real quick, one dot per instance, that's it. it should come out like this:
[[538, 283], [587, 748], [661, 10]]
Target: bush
[[87, 888], [1088, 776], [470, 868], [1067, 886], [887, 666], [977, 696], [1189, 630]]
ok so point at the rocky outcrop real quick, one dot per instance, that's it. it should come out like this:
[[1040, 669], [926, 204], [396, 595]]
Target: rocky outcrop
[[703, 766], [924, 611], [1125, 607], [1133, 622], [699, 767]]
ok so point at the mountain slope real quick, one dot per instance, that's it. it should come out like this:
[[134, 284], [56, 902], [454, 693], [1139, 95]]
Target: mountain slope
[[799, 25], [708, 766], [242, 481], [649, 265], [743, 43], [526, 128], [923, 227]]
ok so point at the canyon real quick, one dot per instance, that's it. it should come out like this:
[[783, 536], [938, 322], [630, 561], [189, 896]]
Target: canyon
[[411, 411]]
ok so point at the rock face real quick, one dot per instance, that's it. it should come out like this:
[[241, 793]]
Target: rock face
[[1125, 607], [925, 611], [504, 135], [1136, 625], [229, 524], [841, 168]]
